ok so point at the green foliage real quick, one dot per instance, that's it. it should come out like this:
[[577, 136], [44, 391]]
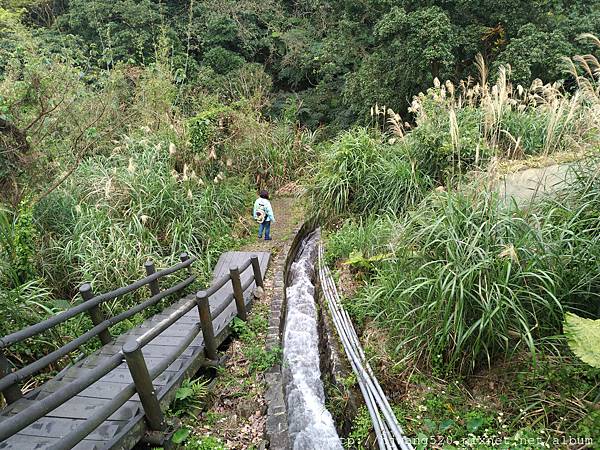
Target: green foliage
[[180, 436], [358, 261], [130, 207], [361, 430], [272, 153], [27, 304], [203, 128], [410, 49], [222, 60], [189, 398], [544, 50], [431, 144], [528, 409], [584, 338], [203, 443], [259, 357], [338, 57], [369, 235], [124, 30], [25, 243], [471, 280], [361, 175]]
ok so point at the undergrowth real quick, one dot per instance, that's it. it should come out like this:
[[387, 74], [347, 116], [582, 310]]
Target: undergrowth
[[457, 129], [471, 280]]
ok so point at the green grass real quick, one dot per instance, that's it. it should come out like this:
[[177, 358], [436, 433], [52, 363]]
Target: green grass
[[516, 406], [369, 235], [129, 207], [471, 281], [360, 175], [260, 359], [100, 226]]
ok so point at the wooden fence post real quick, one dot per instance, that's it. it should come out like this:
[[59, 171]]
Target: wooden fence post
[[150, 269], [95, 313], [13, 392], [238, 294], [257, 272], [143, 385], [208, 332], [184, 257]]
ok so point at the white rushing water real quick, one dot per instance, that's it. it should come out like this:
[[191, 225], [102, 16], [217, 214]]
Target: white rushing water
[[309, 423]]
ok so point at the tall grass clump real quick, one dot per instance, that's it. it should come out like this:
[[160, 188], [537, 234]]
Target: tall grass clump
[[471, 280], [464, 127], [274, 153], [360, 174], [370, 236], [117, 211], [237, 139], [25, 298]]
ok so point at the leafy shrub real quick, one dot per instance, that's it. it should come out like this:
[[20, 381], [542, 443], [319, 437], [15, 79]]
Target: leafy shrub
[[203, 127], [370, 236], [222, 60], [27, 304], [260, 359], [189, 396], [447, 141], [583, 338], [273, 153], [25, 243]]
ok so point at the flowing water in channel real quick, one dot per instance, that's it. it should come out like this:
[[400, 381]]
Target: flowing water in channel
[[310, 425]]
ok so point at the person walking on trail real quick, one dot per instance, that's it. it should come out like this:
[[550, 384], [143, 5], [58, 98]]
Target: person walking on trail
[[263, 214]]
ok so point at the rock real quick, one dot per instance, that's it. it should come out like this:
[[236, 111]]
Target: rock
[[247, 408], [258, 292]]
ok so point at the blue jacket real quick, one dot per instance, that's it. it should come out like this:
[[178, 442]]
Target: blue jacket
[[268, 208]]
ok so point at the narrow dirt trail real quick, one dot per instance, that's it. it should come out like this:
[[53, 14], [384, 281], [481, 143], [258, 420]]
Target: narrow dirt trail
[[288, 215], [237, 416]]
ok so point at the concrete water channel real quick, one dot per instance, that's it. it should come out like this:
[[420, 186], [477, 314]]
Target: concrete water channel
[[310, 424]]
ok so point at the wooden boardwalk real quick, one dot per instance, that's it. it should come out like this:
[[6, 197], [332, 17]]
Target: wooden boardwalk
[[126, 426]]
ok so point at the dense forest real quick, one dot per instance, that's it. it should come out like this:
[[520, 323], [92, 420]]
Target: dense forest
[[334, 58], [134, 130]]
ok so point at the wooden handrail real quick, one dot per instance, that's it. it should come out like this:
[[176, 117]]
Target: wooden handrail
[[47, 324], [142, 376], [10, 380]]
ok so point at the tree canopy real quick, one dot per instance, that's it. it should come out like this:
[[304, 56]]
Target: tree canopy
[[337, 57]]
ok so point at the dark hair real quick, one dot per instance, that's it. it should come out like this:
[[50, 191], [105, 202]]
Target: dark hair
[[264, 194]]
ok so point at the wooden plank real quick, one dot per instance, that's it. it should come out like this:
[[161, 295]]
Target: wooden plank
[[175, 330], [57, 427], [25, 442], [16, 407], [222, 264], [83, 407], [151, 360], [100, 389], [190, 319], [119, 376], [18, 442], [224, 318], [163, 351]]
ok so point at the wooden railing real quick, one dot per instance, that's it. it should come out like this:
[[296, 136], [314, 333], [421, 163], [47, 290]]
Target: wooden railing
[[131, 351]]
